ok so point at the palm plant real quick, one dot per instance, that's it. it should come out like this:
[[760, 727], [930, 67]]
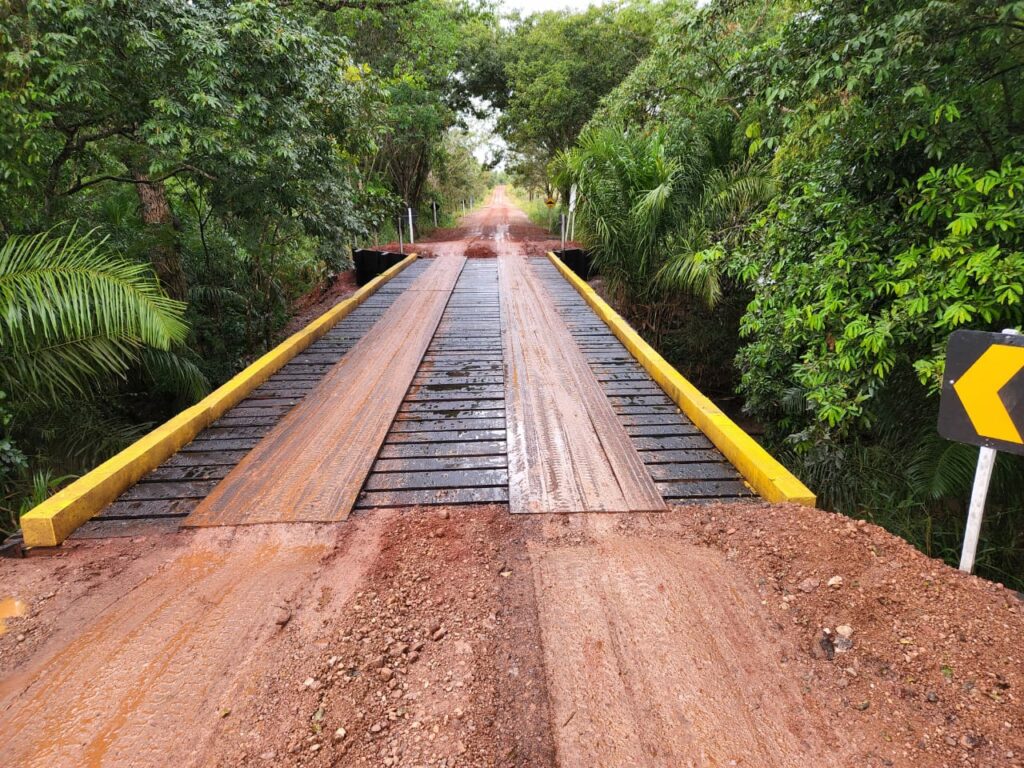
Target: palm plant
[[659, 221], [79, 325], [72, 315], [730, 195], [631, 197]]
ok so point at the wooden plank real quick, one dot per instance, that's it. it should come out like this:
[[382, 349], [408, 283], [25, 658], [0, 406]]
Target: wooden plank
[[245, 411], [694, 455], [456, 436], [311, 466], [460, 478], [662, 430], [433, 496], [457, 377], [452, 405], [567, 450], [703, 489], [267, 420], [235, 433], [413, 450], [148, 508], [270, 402], [439, 463], [183, 489], [454, 391], [203, 444], [671, 443], [447, 425], [640, 419], [713, 470], [198, 458], [490, 413], [200, 472]]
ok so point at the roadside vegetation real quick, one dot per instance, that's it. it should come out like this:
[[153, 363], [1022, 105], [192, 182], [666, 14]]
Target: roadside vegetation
[[799, 202], [173, 175]]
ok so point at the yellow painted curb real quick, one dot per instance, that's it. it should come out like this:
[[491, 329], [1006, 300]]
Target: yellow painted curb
[[48, 524], [762, 471]]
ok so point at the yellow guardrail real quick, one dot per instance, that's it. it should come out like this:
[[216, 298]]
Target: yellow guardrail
[[761, 470], [48, 524]]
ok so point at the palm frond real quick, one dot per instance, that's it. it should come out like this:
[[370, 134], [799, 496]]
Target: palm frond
[[940, 469], [55, 288], [65, 369], [73, 314], [696, 272], [174, 374]]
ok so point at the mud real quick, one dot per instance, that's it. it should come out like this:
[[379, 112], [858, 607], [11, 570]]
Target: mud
[[141, 670]]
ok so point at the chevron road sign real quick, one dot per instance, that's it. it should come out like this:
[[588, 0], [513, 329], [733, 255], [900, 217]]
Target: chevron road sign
[[983, 390], [983, 404]]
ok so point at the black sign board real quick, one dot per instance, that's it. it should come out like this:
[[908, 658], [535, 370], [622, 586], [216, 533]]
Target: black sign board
[[983, 390]]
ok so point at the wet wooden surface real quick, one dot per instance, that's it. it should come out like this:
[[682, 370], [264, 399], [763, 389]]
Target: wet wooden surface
[[447, 444], [311, 466], [684, 464], [447, 441], [567, 451], [211, 452]]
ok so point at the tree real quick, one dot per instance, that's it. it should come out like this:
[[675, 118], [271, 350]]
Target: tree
[[421, 55], [558, 68], [77, 321], [242, 100], [854, 172]]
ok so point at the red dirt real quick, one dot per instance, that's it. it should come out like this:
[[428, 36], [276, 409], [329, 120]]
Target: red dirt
[[309, 307], [694, 637], [480, 250], [573, 640]]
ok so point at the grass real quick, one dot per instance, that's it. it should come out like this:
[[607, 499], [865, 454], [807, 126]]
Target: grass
[[536, 210]]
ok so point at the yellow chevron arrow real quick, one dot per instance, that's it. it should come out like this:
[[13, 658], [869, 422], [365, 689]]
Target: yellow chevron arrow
[[979, 387]]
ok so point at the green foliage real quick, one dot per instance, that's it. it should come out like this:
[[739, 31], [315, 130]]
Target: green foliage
[[855, 170], [235, 150], [631, 199], [411, 52], [456, 174], [79, 324], [12, 460], [74, 314], [557, 68]]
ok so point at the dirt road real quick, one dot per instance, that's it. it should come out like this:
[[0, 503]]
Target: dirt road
[[711, 635]]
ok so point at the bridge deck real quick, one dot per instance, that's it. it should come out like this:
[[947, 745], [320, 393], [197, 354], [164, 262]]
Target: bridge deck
[[447, 441]]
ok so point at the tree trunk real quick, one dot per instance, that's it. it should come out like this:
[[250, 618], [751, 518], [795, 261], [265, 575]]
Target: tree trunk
[[162, 227]]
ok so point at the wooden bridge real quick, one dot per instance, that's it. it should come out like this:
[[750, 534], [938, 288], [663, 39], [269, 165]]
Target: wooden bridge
[[447, 380]]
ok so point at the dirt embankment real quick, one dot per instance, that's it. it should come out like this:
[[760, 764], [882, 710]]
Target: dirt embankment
[[322, 298], [914, 662], [468, 637]]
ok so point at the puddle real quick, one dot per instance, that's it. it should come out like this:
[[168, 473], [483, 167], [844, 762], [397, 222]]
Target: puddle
[[10, 608]]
